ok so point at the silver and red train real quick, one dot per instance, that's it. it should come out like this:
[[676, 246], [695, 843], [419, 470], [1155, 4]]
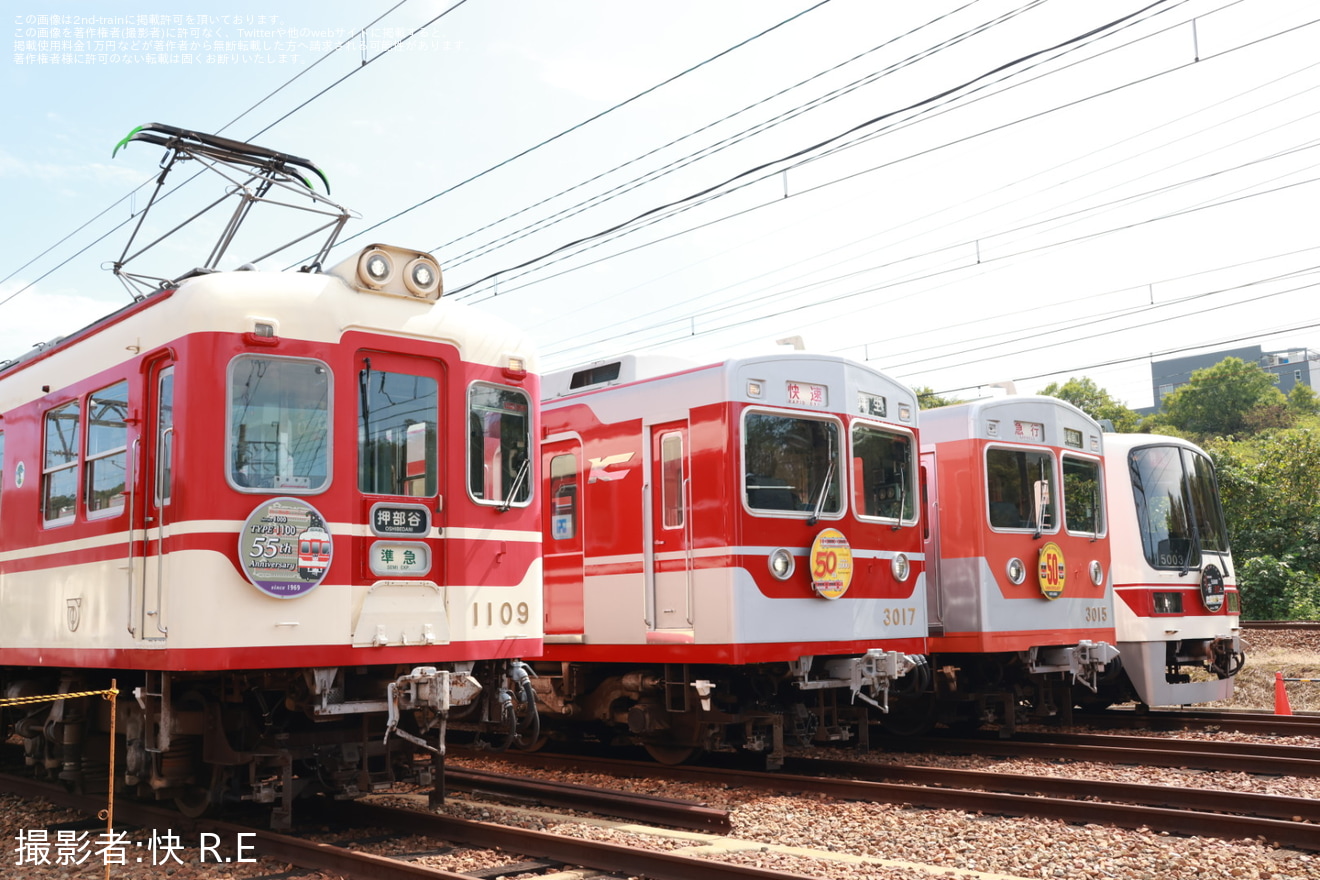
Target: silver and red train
[[732, 552], [697, 519], [289, 513]]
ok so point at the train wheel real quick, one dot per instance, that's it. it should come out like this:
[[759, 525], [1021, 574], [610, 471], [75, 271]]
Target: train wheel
[[202, 800], [672, 754]]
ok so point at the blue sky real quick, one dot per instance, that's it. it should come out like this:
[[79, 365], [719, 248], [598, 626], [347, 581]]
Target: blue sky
[[959, 193]]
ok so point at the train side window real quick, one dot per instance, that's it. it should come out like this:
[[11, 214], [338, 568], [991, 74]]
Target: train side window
[[398, 432], [107, 449], [164, 436], [59, 474], [1083, 506], [499, 443], [671, 480], [279, 424], [563, 497], [1020, 489]]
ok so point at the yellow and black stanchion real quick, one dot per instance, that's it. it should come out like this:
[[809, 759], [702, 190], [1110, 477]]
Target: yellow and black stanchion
[[111, 693]]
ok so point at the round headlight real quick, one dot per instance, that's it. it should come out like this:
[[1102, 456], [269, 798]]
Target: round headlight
[[422, 278], [375, 268], [781, 564], [1097, 572], [901, 567], [1017, 572]]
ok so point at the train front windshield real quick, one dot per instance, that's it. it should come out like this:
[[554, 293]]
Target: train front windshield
[[1178, 510], [791, 463]]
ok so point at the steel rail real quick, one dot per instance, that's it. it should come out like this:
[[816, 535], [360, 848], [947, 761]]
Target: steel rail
[[610, 857], [1298, 724], [1190, 822], [1133, 750], [628, 805], [1181, 798]]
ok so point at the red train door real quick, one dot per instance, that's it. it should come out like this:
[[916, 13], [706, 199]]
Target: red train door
[[668, 551], [152, 504], [562, 465]]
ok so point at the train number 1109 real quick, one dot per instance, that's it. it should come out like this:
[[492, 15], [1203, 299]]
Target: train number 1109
[[500, 613]]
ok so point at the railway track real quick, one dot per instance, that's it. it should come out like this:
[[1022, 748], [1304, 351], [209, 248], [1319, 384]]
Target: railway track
[[1261, 758], [535, 850], [1282, 821], [1238, 721]]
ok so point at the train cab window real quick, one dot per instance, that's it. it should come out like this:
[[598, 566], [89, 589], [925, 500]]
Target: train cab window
[[1205, 502], [278, 426], [791, 464], [499, 442], [59, 475], [883, 471], [398, 432], [563, 497], [1083, 508], [1178, 512], [107, 449], [1021, 489]]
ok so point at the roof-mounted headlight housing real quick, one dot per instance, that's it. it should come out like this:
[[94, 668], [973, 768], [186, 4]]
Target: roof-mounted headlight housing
[[393, 271]]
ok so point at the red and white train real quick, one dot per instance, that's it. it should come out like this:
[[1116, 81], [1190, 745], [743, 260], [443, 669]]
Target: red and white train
[[1177, 607], [732, 552], [1018, 561], [289, 513], [695, 518]]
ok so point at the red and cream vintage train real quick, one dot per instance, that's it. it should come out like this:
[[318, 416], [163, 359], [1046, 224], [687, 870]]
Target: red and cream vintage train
[[289, 513], [311, 520]]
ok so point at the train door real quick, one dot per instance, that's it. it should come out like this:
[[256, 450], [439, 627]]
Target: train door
[[930, 544], [153, 504], [562, 465], [669, 530]]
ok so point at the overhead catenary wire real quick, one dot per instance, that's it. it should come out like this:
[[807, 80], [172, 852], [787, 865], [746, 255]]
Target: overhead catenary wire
[[813, 148], [177, 187]]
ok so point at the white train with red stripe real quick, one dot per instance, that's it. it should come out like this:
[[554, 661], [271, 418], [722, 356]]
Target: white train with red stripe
[[1177, 606], [1018, 584], [732, 552], [289, 513]]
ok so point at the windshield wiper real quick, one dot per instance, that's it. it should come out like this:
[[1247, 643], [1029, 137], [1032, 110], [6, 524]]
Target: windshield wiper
[[517, 484]]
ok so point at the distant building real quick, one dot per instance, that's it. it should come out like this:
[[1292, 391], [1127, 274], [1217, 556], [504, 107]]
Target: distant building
[[1293, 366]]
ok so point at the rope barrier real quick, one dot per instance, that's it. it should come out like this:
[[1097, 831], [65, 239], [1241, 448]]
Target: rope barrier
[[23, 701], [111, 693]]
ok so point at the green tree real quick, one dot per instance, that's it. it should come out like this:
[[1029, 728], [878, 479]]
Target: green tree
[[1226, 399], [1303, 401], [1095, 401], [928, 399], [1270, 485]]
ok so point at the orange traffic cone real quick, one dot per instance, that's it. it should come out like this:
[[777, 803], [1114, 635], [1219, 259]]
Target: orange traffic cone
[[1281, 706]]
